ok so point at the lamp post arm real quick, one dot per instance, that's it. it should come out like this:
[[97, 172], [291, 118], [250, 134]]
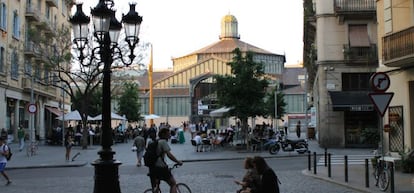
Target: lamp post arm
[[118, 55]]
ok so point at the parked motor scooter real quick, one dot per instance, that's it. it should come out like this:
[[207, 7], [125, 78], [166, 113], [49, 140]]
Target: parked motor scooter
[[300, 145]]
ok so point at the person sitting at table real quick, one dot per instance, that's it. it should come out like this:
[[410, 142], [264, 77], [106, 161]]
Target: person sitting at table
[[219, 139], [254, 141], [199, 142], [211, 137]]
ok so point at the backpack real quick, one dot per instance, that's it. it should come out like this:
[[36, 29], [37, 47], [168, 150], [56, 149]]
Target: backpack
[[9, 155], [151, 156]]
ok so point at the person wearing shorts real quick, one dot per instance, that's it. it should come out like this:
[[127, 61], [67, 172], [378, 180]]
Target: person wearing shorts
[[160, 171], [4, 150]]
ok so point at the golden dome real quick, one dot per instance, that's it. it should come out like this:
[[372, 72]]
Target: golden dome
[[229, 18], [229, 27]]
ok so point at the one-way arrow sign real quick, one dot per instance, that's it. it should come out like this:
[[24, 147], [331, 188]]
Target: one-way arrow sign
[[381, 101]]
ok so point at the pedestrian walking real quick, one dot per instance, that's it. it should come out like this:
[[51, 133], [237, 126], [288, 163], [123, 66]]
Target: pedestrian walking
[[21, 134], [285, 126], [68, 145], [139, 143], [269, 180], [298, 129], [4, 135], [4, 150]]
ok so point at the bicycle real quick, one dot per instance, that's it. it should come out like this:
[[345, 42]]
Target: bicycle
[[381, 174], [32, 148], [181, 187]]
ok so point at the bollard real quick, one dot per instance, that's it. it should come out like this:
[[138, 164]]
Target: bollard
[[309, 161], [366, 174], [346, 168], [329, 165], [392, 188], [314, 162], [326, 151]]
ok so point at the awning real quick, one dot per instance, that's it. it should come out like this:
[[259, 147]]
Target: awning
[[358, 36], [219, 112], [351, 101], [54, 110]]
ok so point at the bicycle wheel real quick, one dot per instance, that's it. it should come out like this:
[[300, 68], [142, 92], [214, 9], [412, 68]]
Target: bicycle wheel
[[149, 190], [375, 173], [384, 180], [183, 188]]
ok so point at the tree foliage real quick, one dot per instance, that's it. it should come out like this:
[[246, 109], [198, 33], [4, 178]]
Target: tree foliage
[[244, 89], [79, 77], [270, 104], [95, 102], [129, 102]]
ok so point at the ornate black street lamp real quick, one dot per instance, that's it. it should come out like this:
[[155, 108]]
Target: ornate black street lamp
[[106, 33]]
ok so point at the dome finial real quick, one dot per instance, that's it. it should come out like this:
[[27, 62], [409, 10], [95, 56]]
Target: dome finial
[[229, 28]]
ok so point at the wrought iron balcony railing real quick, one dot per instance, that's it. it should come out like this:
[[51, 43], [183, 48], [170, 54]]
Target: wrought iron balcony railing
[[52, 3], [355, 5], [360, 55], [355, 9], [398, 48], [32, 14]]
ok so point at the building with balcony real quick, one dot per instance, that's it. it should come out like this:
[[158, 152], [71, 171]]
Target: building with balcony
[[340, 42], [24, 77], [396, 59]]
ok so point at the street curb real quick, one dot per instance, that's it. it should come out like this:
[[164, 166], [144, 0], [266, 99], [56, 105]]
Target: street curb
[[186, 160], [48, 166], [307, 173]]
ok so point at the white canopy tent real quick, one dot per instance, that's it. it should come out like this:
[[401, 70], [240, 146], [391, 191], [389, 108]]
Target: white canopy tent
[[72, 116], [114, 116], [151, 116], [220, 112]]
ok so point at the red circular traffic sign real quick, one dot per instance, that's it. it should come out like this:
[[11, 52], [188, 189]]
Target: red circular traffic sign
[[380, 82], [32, 108]]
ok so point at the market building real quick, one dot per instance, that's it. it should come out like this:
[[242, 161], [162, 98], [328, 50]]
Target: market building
[[186, 93]]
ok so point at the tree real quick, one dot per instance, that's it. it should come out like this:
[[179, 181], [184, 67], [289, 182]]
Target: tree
[[77, 76], [270, 104], [129, 102], [95, 102], [244, 89]]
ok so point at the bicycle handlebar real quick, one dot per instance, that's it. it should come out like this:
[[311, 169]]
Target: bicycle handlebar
[[176, 166]]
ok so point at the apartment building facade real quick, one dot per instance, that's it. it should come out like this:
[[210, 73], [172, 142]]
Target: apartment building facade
[[396, 59], [26, 95], [340, 43]]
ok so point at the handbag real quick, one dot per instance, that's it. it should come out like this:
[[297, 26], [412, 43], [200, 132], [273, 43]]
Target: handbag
[[134, 148]]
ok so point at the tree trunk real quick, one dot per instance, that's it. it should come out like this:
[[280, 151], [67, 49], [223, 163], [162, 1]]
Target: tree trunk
[[245, 129], [85, 135]]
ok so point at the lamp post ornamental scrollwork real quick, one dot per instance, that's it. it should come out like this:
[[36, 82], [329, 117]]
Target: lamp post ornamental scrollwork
[[106, 51]]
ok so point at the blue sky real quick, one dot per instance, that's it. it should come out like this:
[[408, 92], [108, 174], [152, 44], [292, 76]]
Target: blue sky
[[179, 27]]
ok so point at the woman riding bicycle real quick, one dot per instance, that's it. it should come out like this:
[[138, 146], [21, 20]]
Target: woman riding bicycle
[[160, 171]]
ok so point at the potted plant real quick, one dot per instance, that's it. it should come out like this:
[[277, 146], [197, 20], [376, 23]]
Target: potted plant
[[374, 161], [387, 128], [407, 161]]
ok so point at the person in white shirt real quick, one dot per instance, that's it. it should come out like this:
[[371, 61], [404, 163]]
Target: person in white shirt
[[199, 141], [285, 126], [4, 150]]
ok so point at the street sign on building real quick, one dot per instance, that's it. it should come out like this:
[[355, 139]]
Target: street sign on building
[[380, 82], [381, 101]]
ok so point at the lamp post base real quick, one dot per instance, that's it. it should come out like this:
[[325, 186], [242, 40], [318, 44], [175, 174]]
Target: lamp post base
[[106, 174]]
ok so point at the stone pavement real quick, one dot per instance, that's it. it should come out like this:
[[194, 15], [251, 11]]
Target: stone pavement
[[54, 156]]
